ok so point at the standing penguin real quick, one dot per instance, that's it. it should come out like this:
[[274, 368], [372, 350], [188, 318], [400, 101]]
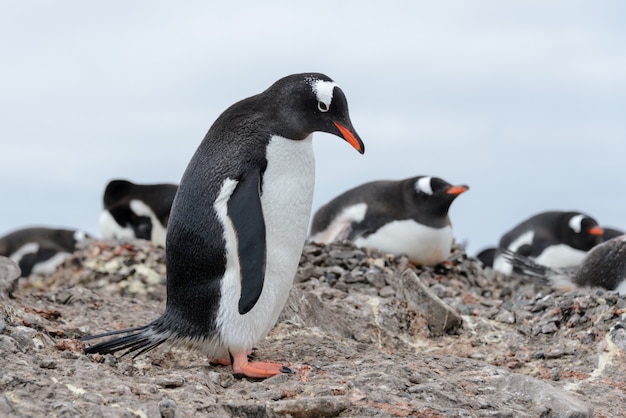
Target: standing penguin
[[239, 221], [407, 216], [553, 239], [133, 211]]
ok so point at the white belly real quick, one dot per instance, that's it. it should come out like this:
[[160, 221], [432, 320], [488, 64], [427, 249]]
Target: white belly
[[561, 255], [111, 230], [288, 184], [422, 244]]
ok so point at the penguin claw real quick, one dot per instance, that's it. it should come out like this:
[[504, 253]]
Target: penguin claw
[[286, 370]]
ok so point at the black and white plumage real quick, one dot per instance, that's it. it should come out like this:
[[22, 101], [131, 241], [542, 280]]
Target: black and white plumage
[[554, 239], [132, 211], [407, 216], [239, 221], [603, 266], [486, 256], [40, 250]]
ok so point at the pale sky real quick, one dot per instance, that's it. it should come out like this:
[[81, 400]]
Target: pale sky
[[524, 101]]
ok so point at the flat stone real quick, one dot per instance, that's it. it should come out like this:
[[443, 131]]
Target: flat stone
[[441, 318], [321, 406]]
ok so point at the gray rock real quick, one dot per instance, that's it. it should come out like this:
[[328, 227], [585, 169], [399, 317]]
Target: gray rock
[[543, 398], [9, 274], [441, 318], [167, 408], [322, 406], [171, 381]]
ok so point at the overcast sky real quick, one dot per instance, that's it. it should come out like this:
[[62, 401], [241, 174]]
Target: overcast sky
[[524, 101]]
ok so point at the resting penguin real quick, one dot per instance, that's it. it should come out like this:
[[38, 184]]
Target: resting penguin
[[40, 250], [407, 216], [239, 221], [136, 211], [603, 266], [553, 239]]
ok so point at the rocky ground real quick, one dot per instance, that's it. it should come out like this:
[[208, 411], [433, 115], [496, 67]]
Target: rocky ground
[[367, 335]]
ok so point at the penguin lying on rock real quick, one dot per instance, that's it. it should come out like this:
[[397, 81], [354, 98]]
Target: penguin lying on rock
[[554, 239], [407, 216], [603, 266], [40, 250], [134, 211], [238, 224]]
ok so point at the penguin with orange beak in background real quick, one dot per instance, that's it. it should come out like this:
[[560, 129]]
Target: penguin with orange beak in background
[[553, 239], [407, 216]]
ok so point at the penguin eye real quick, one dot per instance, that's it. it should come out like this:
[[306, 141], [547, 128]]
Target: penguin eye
[[323, 107]]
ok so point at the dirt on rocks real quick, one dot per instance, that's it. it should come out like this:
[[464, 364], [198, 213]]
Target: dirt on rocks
[[366, 334]]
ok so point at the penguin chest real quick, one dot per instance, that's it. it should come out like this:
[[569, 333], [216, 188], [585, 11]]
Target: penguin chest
[[561, 255], [423, 244], [286, 198]]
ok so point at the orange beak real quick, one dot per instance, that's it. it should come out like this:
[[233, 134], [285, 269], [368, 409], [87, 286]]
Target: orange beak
[[351, 138], [457, 190], [596, 230]]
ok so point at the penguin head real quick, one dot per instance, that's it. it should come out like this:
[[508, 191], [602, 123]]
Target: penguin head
[[311, 102], [583, 232], [435, 194], [115, 191]]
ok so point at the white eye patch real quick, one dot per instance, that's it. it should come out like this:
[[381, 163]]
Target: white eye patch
[[423, 185], [323, 92], [576, 223]]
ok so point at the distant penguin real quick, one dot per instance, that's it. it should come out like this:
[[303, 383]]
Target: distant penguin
[[40, 250], [239, 221], [554, 239], [603, 266], [407, 216], [134, 211]]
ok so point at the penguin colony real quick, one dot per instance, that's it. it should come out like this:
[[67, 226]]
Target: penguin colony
[[235, 225]]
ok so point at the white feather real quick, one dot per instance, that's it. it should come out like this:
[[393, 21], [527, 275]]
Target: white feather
[[158, 231], [288, 184], [49, 266], [502, 265], [557, 256], [110, 229], [339, 227], [422, 244], [28, 248]]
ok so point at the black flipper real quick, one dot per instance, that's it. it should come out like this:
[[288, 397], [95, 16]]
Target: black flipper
[[246, 214]]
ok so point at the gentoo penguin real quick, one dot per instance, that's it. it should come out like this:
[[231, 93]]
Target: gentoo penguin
[[239, 221], [40, 250], [553, 239], [407, 216], [134, 211], [603, 266]]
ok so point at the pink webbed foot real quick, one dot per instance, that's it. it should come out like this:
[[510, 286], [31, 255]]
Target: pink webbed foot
[[255, 369]]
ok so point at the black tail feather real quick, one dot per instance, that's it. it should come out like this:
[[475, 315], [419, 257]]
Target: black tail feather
[[528, 267], [139, 341]]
